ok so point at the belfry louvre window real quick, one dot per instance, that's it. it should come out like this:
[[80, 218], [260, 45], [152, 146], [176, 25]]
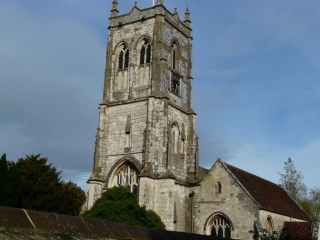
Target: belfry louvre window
[[145, 53], [127, 176], [220, 227], [123, 61]]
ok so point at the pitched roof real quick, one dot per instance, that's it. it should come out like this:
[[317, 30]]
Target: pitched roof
[[268, 195], [203, 172], [298, 230]]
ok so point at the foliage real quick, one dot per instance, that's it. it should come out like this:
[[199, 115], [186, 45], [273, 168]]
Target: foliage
[[43, 189], [279, 234], [70, 199], [291, 181], [312, 204], [10, 184], [118, 204], [314, 196]]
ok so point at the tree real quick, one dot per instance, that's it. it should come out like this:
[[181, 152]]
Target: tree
[[312, 204], [10, 184], [291, 181], [118, 204], [278, 234], [314, 196], [43, 189], [70, 199]]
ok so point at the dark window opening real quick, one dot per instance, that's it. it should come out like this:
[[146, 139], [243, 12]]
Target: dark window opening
[[126, 60], [121, 60], [227, 232], [220, 232], [148, 60], [219, 187], [174, 59], [142, 52]]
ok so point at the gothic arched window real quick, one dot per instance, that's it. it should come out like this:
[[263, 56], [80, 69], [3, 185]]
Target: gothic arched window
[[145, 52], [127, 176], [269, 225], [220, 227], [123, 61]]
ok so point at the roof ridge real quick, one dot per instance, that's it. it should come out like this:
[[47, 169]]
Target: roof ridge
[[254, 175], [283, 203]]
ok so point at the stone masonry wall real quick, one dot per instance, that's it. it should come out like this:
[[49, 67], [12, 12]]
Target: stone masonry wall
[[277, 219], [232, 202], [167, 199]]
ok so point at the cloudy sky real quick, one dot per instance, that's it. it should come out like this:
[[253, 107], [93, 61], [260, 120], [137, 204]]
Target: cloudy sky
[[256, 86]]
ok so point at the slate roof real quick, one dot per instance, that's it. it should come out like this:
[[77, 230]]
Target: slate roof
[[268, 195]]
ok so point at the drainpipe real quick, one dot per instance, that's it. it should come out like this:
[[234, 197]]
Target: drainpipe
[[191, 195]]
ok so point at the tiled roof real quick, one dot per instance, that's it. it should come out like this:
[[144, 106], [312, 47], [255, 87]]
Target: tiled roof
[[298, 230], [268, 195], [203, 172]]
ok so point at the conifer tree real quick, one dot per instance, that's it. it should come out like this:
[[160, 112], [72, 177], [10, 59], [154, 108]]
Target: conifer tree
[[10, 184], [43, 189]]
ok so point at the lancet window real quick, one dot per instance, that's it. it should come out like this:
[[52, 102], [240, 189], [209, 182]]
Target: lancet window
[[219, 187], [174, 52], [145, 52], [123, 61]]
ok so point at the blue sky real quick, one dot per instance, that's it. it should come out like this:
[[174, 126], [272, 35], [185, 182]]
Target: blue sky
[[256, 70]]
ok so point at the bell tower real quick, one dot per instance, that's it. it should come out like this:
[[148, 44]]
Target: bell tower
[[146, 138]]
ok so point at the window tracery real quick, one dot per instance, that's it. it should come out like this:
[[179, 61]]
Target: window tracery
[[220, 227], [145, 52], [123, 61], [127, 176]]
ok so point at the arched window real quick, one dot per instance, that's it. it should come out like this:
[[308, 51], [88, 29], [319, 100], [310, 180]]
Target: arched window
[[174, 52], [269, 225], [220, 227], [145, 52], [127, 176], [123, 61]]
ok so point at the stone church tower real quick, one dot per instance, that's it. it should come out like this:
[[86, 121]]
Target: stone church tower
[[146, 134]]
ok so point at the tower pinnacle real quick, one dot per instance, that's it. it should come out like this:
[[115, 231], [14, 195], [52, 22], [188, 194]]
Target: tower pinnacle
[[159, 2], [187, 20], [114, 10]]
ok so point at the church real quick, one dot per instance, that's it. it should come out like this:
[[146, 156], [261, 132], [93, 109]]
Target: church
[[146, 137]]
